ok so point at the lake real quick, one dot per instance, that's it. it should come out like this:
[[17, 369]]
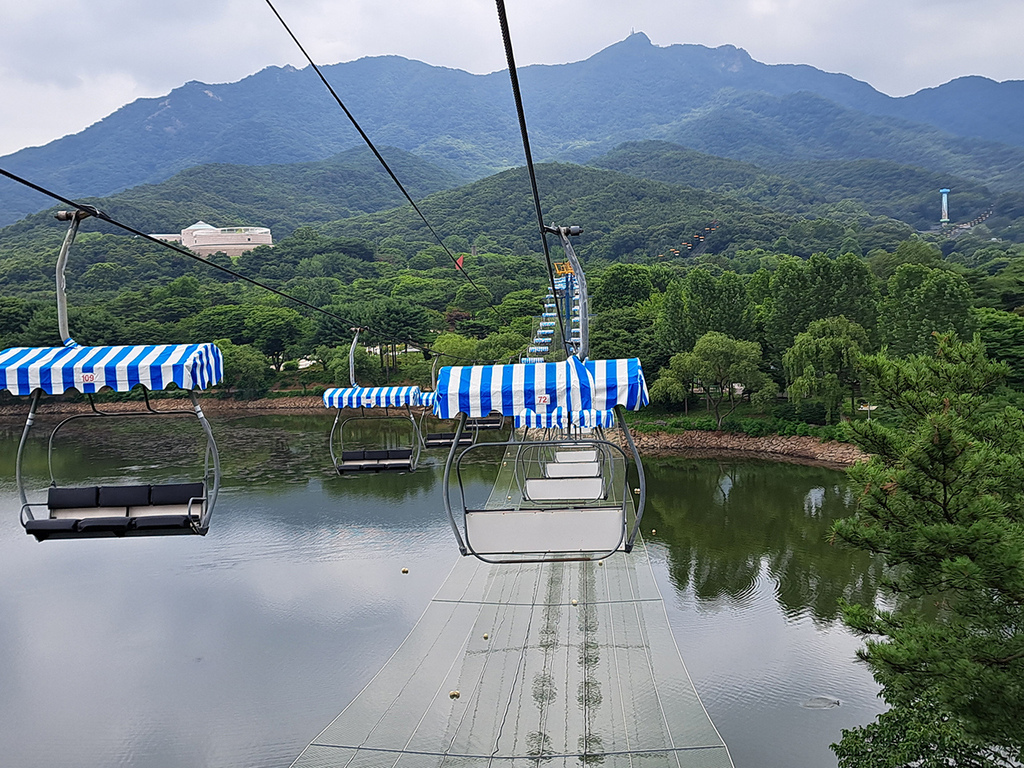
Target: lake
[[236, 649]]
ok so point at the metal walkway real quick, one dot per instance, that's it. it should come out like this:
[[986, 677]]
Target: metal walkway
[[554, 664]]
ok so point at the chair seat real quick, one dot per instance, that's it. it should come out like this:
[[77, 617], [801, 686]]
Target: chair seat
[[564, 489]]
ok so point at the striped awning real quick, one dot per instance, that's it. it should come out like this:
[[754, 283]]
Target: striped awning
[[371, 397], [593, 418], [89, 369], [477, 390], [618, 382], [427, 399], [560, 418], [600, 385]]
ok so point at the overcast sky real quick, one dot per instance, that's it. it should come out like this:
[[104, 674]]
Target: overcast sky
[[65, 64]]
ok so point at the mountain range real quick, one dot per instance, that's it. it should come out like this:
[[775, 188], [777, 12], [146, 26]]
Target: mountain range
[[715, 100]]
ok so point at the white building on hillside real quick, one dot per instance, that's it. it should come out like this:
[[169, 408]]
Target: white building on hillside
[[204, 239]]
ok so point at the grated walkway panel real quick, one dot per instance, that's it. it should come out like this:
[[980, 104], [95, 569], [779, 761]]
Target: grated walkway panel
[[600, 682]]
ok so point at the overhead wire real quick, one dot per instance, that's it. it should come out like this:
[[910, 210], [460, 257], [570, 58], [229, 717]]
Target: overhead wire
[[518, 97], [96, 213], [383, 162]]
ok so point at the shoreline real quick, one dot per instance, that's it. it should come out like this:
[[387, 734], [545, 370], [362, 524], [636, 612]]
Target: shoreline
[[694, 444]]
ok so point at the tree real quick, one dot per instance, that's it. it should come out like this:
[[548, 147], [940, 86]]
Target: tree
[[621, 286], [718, 305], [942, 500], [273, 329], [671, 327], [719, 363], [922, 301], [1003, 336], [823, 361], [245, 370]]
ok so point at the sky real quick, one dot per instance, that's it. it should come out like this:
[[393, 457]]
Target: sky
[[65, 64]]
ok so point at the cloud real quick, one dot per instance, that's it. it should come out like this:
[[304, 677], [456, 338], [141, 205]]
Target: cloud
[[67, 64]]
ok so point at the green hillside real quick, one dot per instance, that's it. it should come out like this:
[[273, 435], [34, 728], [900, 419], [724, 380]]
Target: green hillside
[[624, 217], [282, 197]]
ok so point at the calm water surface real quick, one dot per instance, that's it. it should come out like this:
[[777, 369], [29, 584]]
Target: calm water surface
[[236, 649]]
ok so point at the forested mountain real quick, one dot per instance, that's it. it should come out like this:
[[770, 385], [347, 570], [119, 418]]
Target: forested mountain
[[281, 197], [624, 217], [717, 100], [809, 188]]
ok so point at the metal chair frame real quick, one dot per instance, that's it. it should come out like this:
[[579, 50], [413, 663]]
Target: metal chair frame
[[211, 464]]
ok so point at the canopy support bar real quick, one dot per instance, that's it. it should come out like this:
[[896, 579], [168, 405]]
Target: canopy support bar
[[74, 218], [445, 489], [21, 445]]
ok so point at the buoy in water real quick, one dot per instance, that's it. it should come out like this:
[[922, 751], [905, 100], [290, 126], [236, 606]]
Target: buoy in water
[[653, 532], [405, 570], [574, 601], [453, 694], [486, 636]]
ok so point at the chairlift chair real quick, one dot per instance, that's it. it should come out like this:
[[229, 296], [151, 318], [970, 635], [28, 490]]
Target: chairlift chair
[[542, 508], [348, 460], [95, 511], [158, 509]]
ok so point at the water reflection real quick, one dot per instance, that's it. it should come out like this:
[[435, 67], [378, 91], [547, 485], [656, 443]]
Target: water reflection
[[236, 649], [724, 521]]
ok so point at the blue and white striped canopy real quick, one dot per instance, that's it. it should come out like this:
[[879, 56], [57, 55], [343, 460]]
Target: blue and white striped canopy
[[560, 418], [540, 387], [549, 314], [427, 399], [618, 382], [545, 332], [371, 397], [547, 324], [539, 349], [593, 418], [531, 360], [89, 369], [478, 390]]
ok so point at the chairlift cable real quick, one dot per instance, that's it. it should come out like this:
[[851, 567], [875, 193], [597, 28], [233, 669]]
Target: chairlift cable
[[92, 211], [518, 97], [383, 162]]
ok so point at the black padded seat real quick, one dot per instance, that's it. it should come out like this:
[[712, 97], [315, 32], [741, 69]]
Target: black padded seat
[[175, 493], [484, 423], [162, 522], [116, 526], [445, 439], [46, 527], [71, 498], [400, 453], [123, 496], [372, 460]]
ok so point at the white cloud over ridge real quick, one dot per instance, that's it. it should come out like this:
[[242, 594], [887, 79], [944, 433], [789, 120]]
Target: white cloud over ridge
[[67, 64]]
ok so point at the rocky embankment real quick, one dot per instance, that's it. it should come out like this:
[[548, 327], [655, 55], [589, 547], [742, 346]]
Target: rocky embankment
[[778, 447]]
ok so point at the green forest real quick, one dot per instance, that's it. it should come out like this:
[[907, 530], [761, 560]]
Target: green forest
[[680, 274]]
